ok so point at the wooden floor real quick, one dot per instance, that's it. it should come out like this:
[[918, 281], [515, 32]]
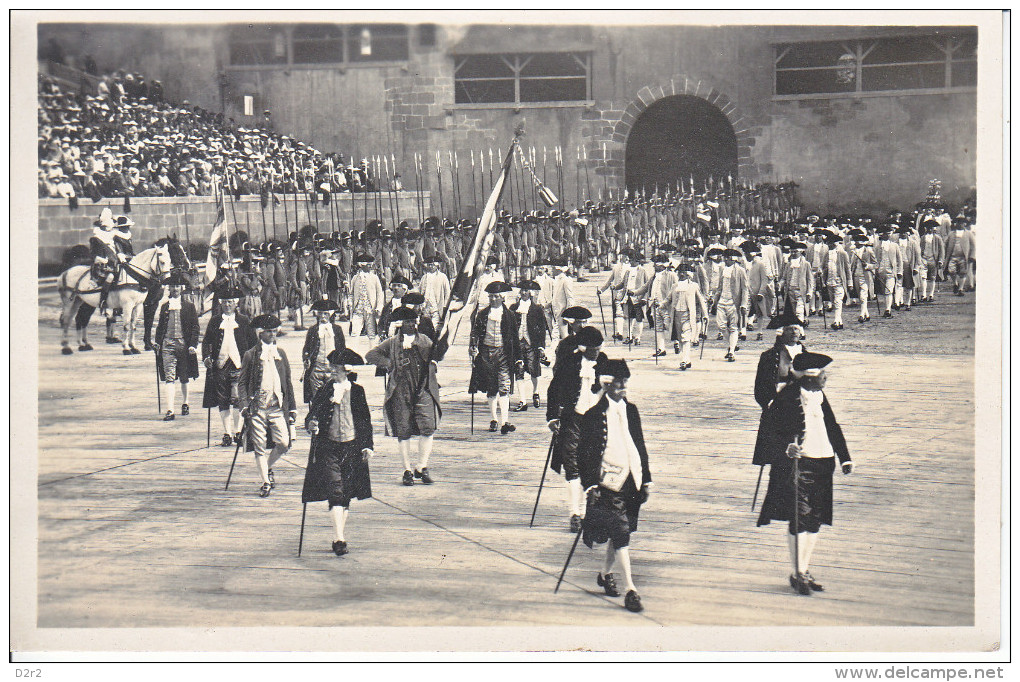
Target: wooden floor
[[136, 530]]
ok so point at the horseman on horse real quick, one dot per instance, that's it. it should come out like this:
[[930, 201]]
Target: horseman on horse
[[111, 247]]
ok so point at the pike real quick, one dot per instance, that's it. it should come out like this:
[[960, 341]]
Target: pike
[[455, 174], [605, 160], [389, 191], [587, 176], [417, 189], [439, 178], [474, 197], [393, 186], [534, 186]]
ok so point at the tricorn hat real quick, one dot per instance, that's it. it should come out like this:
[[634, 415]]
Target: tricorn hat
[[403, 313], [589, 337], [784, 319], [576, 312], [345, 357], [176, 278], [497, 288], [324, 305], [615, 367], [808, 363], [265, 321]]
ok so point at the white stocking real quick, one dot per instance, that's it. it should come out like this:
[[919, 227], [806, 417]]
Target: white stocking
[[732, 341], [610, 559], [339, 516], [807, 547], [424, 451], [263, 467], [623, 558], [504, 406], [184, 392], [575, 497], [405, 453], [225, 418], [492, 408], [236, 413], [169, 389]]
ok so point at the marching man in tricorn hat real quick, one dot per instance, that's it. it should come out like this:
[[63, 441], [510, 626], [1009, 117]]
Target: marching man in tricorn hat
[[227, 337], [799, 433], [613, 464], [176, 343], [267, 399], [340, 424], [494, 351], [412, 405]]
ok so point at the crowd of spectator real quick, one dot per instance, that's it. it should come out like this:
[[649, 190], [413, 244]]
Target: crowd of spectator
[[128, 140]]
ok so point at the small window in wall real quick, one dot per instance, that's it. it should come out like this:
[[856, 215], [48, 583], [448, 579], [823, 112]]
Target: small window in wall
[[377, 43], [894, 64], [249, 105], [318, 44], [523, 78], [258, 45]]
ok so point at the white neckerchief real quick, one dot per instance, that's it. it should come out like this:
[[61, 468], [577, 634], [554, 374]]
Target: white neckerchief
[[173, 303], [269, 352], [620, 447], [407, 341], [340, 389], [586, 399], [496, 314], [816, 443], [794, 350], [228, 324], [327, 342]]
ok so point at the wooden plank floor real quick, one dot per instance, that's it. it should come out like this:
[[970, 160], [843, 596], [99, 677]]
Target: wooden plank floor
[[135, 529]]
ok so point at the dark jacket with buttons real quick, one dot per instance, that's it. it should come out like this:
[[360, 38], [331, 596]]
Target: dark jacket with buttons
[[594, 433]]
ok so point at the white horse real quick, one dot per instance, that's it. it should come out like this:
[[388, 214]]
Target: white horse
[[77, 286]]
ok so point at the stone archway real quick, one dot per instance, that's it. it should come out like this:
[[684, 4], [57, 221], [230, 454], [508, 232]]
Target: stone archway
[[679, 138], [682, 85]]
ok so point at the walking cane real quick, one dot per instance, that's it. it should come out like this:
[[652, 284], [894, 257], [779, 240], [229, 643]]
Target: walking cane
[[704, 340], [548, 458], [472, 414], [569, 557], [761, 469], [208, 427], [301, 537], [244, 427], [605, 330], [796, 512]]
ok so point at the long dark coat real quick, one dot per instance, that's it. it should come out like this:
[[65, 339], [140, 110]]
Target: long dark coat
[[561, 399], [189, 325], [782, 423], [766, 379], [310, 352], [244, 337], [591, 447], [483, 377], [332, 472]]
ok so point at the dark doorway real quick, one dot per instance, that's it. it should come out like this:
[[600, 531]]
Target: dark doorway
[[678, 138]]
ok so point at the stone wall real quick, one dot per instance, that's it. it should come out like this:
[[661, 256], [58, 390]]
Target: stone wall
[[191, 218], [847, 154]]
